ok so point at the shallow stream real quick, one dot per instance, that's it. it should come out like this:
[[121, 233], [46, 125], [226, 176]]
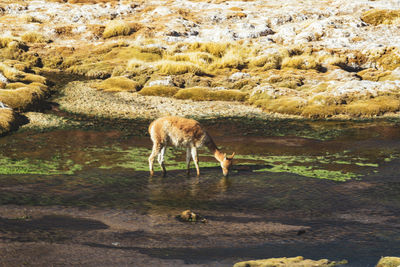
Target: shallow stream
[[338, 181]]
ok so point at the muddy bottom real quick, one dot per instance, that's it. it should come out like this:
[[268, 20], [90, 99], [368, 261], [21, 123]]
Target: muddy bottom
[[74, 197]]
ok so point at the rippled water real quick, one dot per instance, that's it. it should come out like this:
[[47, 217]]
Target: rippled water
[[345, 188]]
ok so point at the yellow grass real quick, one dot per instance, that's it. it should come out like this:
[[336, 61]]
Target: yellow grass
[[118, 84], [21, 98], [116, 28], [205, 94], [15, 85], [286, 105], [215, 49], [4, 41], [303, 62], [381, 16], [34, 37], [29, 77], [266, 62], [159, 90], [373, 74], [373, 107], [233, 59], [11, 73], [198, 58], [169, 67], [6, 120]]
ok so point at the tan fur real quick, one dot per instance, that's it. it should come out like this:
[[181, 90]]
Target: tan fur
[[188, 133]]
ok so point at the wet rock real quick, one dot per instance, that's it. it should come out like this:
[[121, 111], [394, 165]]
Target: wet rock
[[189, 216]]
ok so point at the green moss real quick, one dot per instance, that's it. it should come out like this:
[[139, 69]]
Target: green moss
[[10, 166], [159, 90], [329, 166], [205, 94]]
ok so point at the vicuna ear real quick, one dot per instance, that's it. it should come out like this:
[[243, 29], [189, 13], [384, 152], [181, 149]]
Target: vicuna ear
[[224, 156], [231, 157]]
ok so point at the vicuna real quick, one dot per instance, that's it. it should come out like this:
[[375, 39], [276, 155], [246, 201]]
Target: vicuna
[[187, 133]]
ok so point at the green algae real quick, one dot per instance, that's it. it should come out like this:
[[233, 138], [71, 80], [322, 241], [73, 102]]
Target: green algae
[[329, 166], [9, 166]]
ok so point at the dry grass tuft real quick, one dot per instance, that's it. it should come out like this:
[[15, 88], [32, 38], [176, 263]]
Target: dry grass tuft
[[205, 94], [169, 67], [390, 60], [31, 19], [4, 41], [373, 107], [198, 58], [381, 16], [34, 37], [21, 98], [374, 75], [10, 73], [118, 84], [159, 90], [234, 58], [6, 120], [215, 49], [34, 78], [292, 105], [303, 62], [117, 28], [266, 62]]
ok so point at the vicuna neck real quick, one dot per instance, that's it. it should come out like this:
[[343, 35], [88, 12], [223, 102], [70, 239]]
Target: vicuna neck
[[214, 149]]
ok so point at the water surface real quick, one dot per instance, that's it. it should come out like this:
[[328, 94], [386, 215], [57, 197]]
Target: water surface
[[337, 182]]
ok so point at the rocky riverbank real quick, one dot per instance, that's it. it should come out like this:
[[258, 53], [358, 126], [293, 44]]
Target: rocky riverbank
[[331, 59]]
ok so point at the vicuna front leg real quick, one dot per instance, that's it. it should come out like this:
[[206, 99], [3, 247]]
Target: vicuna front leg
[[195, 159], [158, 151]]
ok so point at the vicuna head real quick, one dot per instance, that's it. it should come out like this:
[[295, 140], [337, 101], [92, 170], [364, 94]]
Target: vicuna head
[[226, 163]]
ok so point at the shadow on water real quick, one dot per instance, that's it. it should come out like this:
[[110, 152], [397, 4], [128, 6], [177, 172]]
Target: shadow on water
[[343, 188]]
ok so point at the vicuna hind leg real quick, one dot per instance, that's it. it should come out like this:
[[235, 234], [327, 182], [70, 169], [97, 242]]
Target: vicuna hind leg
[[195, 159], [156, 151], [161, 160], [188, 158]]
